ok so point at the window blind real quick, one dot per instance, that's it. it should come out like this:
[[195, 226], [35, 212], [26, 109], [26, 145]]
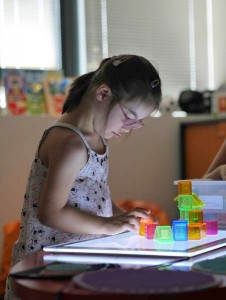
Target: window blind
[[93, 34], [158, 30], [30, 34], [184, 39]]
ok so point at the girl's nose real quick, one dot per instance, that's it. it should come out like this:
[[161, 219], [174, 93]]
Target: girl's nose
[[126, 130]]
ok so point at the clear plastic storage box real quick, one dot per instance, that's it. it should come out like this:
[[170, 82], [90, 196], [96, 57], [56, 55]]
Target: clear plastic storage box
[[213, 194]]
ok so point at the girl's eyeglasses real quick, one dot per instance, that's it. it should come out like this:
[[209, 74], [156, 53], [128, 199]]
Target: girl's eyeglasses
[[130, 123]]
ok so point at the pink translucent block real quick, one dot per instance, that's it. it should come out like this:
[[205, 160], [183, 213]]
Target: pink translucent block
[[150, 230], [211, 227]]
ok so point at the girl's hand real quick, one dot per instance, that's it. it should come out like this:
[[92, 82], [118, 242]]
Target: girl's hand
[[126, 221]]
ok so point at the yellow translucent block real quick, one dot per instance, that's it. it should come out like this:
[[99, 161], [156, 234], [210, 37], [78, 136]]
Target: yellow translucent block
[[184, 187], [196, 201], [144, 222], [195, 216], [196, 231]]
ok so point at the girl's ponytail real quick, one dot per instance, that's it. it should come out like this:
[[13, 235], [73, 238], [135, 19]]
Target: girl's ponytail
[[78, 87], [76, 91], [129, 77]]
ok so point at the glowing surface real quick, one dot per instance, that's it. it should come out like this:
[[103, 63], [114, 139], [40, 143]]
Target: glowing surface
[[129, 243]]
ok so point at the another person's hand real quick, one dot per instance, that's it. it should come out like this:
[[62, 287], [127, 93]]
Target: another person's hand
[[126, 221], [218, 174]]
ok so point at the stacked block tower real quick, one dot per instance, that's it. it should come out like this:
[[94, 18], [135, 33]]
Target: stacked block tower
[[190, 207], [190, 226]]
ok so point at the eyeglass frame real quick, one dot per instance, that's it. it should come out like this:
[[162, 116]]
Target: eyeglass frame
[[133, 123]]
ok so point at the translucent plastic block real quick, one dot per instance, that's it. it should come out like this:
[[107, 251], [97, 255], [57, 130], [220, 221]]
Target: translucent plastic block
[[211, 227], [144, 222], [166, 246], [185, 201], [195, 216], [150, 230], [196, 231], [163, 234], [203, 230], [184, 214], [180, 230], [184, 188], [189, 202], [197, 202]]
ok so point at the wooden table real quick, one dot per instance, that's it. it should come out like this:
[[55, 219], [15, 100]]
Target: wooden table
[[42, 289]]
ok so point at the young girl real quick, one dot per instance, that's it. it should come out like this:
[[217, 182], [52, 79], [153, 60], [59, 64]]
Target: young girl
[[67, 196]]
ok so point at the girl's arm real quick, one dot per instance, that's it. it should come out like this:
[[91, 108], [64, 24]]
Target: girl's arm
[[65, 159], [116, 209], [217, 169]]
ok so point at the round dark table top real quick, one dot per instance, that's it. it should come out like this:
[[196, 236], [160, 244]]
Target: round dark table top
[[66, 289]]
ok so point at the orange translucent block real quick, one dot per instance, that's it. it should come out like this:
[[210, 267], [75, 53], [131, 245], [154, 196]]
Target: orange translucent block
[[143, 222], [184, 187], [195, 216], [196, 231]]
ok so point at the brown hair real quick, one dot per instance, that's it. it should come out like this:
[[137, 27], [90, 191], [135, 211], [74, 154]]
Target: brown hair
[[128, 76]]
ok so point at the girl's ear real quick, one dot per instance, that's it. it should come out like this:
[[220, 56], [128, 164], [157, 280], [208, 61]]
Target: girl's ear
[[103, 92]]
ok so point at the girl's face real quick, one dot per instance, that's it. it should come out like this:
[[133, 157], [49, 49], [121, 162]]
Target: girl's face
[[126, 116]]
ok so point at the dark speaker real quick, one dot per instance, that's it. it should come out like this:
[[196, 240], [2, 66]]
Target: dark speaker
[[195, 102]]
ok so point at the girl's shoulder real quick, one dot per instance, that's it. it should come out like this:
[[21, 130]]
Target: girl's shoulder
[[61, 145], [65, 141], [69, 131], [68, 150]]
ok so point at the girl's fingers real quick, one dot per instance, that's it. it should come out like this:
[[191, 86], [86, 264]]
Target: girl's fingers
[[133, 220], [129, 220], [138, 212], [130, 227]]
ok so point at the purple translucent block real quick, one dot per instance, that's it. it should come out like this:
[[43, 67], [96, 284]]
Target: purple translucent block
[[211, 227]]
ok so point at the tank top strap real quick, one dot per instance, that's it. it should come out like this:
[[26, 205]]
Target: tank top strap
[[65, 125], [41, 141]]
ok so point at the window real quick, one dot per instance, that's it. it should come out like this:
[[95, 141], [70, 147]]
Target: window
[[30, 34], [184, 39]]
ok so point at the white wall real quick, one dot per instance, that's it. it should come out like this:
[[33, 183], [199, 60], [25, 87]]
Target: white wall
[[143, 166], [18, 141]]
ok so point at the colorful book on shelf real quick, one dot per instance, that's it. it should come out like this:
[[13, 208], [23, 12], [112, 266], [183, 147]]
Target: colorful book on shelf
[[15, 90], [26, 91], [55, 87], [35, 92]]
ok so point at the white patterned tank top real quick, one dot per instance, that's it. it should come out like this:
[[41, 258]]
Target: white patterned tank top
[[90, 193]]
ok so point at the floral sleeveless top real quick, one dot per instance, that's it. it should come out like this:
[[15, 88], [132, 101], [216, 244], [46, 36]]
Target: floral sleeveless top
[[90, 193]]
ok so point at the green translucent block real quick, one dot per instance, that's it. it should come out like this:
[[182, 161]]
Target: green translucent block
[[185, 201], [163, 234], [166, 246], [189, 202], [184, 214]]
